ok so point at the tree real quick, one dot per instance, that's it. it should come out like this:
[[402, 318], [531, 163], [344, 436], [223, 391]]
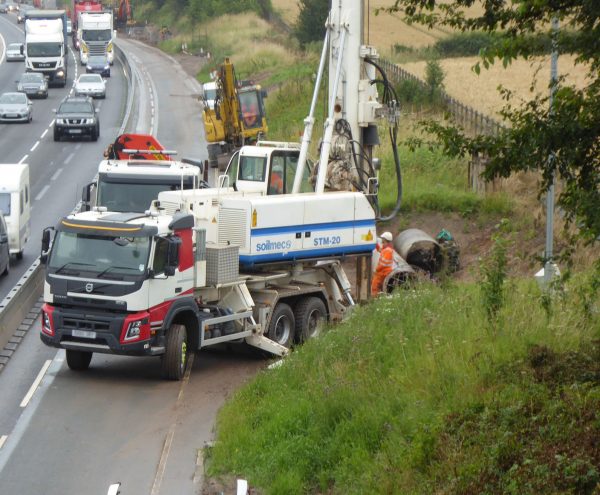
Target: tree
[[569, 132], [310, 25]]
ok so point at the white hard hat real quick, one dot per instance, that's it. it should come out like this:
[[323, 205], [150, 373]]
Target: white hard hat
[[387, 236]]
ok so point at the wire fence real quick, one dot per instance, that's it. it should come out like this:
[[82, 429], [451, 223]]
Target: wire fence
[[469, 117]]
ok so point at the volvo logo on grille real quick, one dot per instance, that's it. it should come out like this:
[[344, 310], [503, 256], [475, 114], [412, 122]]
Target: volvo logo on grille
[[89, 287]]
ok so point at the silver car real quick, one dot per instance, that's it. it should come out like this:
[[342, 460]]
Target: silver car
[[90, 85], [14, 52], [33, 84], [15, 107]]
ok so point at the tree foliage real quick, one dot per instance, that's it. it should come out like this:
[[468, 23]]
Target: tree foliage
[[310, 25], [570, 131]]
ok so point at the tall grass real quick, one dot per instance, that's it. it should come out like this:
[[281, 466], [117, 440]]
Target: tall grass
[[362, 409]]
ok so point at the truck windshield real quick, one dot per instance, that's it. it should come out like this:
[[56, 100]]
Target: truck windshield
[[136, 198], [96, 254], [44, 49], [5, 204], [96, 35]]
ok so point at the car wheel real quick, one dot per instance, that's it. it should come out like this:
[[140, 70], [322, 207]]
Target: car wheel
[[94, 134], [56, 134]]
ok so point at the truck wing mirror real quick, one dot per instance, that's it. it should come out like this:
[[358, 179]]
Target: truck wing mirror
[[3, 238], [173, 256], [86, 195], [45, 244]]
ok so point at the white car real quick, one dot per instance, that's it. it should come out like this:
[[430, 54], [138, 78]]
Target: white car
[[209, 91], [90, 85], [14, 51], [15, 107]]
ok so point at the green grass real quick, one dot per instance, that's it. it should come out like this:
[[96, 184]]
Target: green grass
[[415, 394]]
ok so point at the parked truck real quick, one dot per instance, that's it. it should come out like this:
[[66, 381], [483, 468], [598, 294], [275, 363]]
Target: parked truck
[[78, 7], [135, 170], [241, 262], [95, 35], [45, 44]]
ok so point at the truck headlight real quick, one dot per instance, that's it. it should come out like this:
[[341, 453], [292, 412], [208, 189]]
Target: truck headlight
[[133, 330], [109, 47], [88, 67], [47, 322]]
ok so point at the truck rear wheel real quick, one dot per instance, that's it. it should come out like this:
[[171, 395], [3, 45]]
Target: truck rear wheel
[[310, 315], [78, 360], [282, 325], [174, 360]]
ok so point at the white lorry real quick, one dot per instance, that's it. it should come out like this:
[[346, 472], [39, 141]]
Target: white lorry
[[15, 204], [243, 262], [96, 35], [45, 45]]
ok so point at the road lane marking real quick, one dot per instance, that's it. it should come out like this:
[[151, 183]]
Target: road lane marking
[[56, 174], [162, 464], [114, 489], [23, 159], [42, 192], [69, 158], [37, 143], [2, 440], [36, 383], [44, 134]]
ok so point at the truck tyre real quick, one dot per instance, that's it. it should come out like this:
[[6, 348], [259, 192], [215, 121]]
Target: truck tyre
[[174, 360], [19, 255], [78, 360], [310, 315], [282, 326]]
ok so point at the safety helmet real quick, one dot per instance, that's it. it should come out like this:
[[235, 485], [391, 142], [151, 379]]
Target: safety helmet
[[387, 236]]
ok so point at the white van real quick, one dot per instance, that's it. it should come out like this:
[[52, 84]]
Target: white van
[[15, 204]]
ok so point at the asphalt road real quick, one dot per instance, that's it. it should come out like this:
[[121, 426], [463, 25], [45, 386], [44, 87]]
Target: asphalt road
[[63, 432]]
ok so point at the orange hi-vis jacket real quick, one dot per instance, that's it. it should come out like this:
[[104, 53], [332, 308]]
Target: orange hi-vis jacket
[[384, 268]]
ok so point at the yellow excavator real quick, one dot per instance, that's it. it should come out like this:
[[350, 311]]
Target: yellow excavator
[[236, 118]]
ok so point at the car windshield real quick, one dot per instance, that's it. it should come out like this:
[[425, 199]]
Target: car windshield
[[75, 107], [44, 49], [90, 78], [32, 77], [96, 60], [91, 253], [13, 98], [14, 47]]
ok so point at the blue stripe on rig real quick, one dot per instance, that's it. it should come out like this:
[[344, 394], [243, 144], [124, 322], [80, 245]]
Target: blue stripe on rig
[[304, 254], [313, 227]]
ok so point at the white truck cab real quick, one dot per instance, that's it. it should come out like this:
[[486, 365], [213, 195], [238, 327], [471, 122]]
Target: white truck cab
[[15, 204]]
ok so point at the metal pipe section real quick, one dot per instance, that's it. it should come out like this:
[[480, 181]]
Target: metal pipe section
[[326, 145], [309, 121]]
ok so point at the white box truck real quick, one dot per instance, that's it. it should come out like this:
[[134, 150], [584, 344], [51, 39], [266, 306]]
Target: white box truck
[[15, 204], [45, 49], [95, 35]]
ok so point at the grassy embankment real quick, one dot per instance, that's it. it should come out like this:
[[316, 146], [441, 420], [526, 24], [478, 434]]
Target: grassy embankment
[[419, 393]]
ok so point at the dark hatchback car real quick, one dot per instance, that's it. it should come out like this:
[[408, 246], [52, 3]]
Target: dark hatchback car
[[3, 8], [98, 64], [76, 117], [33, 84]]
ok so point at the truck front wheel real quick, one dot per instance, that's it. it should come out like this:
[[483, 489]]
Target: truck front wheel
[[78, 360], [311, 315], [282, 325], [174, 360]]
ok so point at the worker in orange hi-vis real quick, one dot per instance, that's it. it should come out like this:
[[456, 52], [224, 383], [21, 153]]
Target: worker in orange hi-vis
[[386, 263]]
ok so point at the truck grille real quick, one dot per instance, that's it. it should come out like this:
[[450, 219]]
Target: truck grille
[[97, 48], [92, 325]]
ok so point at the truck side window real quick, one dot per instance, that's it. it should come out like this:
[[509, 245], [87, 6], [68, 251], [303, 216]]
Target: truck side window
[[276, 180], [252, 168], [26, 195], [21, 197], [160, 255]]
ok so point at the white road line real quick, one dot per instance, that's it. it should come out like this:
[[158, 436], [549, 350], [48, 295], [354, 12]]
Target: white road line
[[23, 159], [36, 383], [56, 174], [37, 143], [42, 192], [2, 440], [69, 158], [51, 124], [44, 134], [114, 489]]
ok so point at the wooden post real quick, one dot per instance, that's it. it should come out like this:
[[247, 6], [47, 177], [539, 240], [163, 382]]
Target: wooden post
[[363, 278]]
